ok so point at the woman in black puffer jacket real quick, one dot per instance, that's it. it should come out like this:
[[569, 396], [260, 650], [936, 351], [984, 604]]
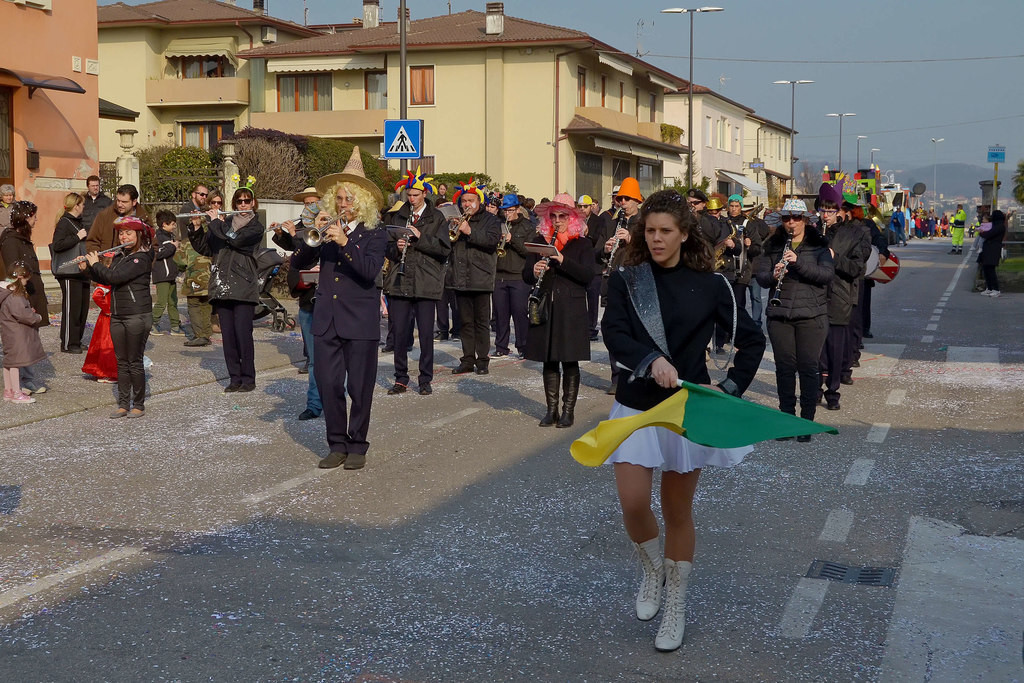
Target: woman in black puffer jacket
[[234, 287], [131, 310], [798, 323]]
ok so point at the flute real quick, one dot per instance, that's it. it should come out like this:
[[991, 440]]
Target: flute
[[197, 214]]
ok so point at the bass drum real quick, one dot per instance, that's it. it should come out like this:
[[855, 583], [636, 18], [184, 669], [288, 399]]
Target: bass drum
[[882, 268]]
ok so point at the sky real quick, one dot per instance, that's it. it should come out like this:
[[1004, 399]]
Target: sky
[[900, 106]]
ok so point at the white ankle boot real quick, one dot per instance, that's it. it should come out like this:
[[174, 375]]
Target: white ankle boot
[[648, 598], [673, 618]]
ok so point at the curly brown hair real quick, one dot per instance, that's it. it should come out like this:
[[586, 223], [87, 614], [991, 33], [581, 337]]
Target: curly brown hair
[[696, 252]]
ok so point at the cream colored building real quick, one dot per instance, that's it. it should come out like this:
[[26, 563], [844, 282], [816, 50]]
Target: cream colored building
[[766, 153], [545, 108], [175, 62]]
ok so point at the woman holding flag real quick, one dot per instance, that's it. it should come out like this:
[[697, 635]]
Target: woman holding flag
[[658, 342]]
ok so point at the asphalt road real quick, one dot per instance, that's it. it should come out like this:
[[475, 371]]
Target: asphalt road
[[202, 543]]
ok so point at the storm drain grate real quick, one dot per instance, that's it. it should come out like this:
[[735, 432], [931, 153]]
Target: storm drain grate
[[865, 576]]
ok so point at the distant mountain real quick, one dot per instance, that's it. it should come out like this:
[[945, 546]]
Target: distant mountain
[[958, 180]]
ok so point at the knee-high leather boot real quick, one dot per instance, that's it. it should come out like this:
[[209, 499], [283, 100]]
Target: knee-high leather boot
[[570, 389], [551, 397]]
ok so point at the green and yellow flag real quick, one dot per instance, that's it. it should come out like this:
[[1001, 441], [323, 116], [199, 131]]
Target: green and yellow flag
[[705, 416]]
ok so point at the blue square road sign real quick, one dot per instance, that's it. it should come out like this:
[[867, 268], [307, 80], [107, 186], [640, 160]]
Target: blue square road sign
[[403, 138]]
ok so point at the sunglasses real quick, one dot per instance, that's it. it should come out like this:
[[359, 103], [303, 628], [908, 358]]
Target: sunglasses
[[792, 217], [829, 212], [244, 200], [695, 203], [217, 202], [559, 216], [202, 194]]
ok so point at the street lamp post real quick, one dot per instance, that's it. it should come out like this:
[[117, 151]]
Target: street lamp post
[[792, 124], [841, 117], [859, 138], [935, 159], [689, 101], [873, 150]]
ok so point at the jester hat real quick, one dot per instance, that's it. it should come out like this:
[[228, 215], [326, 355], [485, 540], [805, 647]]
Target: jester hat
[[471, 186], [416, 181]]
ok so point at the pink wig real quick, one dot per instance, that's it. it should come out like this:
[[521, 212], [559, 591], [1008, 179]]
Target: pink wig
[[562, 203]]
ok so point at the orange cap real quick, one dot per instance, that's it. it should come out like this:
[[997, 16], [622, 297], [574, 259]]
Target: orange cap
[[630, 188]]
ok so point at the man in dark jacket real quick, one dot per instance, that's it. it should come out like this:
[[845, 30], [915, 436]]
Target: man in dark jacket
[[752, 232], [471, 273], [165, 273], [595, 230], [102, 234], [415, 278], [511, 294], [196, 204], [849, 248], [95, 201], [710, 227]]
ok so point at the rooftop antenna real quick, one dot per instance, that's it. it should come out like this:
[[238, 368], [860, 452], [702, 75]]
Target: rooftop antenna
[[639, 38], [722, 79], [449, 6], [305, 13]]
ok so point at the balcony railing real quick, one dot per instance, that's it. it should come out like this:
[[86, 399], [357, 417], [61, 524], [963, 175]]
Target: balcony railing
[[177, 92]]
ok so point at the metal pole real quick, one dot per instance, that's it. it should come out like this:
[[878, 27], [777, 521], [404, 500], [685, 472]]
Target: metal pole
[[404, 99], [935, 175], [995, 188], [792, 124], [689, 112], [840, 166]]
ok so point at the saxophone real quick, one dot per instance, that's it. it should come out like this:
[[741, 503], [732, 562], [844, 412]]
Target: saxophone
[[720, 247]]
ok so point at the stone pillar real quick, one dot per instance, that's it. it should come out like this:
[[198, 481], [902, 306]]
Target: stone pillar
[[229, 171], [128, 163]]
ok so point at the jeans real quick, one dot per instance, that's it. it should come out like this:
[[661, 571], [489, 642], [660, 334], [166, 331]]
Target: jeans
[[313, 403], [475, 330], [510, 301], [236, 331], [797, 348], [756, 302], [991, 281], [129, 334], [166, 297]]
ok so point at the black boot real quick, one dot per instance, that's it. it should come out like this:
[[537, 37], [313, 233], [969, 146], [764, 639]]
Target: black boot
[[551, 397], [570, 389]]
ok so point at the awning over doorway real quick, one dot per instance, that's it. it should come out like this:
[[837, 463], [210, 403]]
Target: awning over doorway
[[109, 110], [33, 81], [202, 47], [753, 187]]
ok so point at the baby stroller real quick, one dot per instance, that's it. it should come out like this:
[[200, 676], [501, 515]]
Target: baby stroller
[[268, 263]]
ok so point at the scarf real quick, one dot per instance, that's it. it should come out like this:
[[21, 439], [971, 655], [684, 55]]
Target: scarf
[[240, 220], [562, 239]]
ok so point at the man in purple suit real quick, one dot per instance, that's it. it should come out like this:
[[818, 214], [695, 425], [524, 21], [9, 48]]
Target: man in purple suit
[[346, 319]]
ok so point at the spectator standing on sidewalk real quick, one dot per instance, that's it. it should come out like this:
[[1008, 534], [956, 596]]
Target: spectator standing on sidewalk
[[991, 251], [94, 201], [165, 273], [19, 334]]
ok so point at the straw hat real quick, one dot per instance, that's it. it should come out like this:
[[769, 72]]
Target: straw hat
[[308, 192], [352, 173]]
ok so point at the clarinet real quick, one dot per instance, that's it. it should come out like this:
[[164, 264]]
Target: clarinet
[[401, 261], [620, 222], [775, 300], [535, 292]]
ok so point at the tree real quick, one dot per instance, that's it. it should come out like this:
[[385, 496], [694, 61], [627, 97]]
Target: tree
[[1018, 183]]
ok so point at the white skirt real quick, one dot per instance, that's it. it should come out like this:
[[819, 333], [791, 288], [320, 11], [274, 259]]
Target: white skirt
[[655, 447]]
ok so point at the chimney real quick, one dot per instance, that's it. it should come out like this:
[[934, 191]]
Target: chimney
[[371, 13], [259, 6], [495, 18], [398, 26]]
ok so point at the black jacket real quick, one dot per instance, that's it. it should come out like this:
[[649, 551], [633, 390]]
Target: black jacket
[[16, 248], [93, 207], [67, 245], [510, 266], [128, 276], [164, 267], [804, 291], [991, 245], [851, 249], [473, 262], [565, 336], [233, 273], [688, 330], [757, 232], [423, 273]]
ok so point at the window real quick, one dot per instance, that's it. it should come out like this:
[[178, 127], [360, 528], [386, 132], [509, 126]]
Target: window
[[206, 67], [723, 138], [304, 93], [648, 174], [588, 174], [376, 85], [6, 137], [581, 87], [708, 133], [421, 85], [604, 89], [622, 96], [723, 188], [636, 103], [654, 107], [206, 134], [620, 171]]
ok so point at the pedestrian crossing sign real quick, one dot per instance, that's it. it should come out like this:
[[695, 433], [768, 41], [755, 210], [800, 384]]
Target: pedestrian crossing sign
[[403, 138]]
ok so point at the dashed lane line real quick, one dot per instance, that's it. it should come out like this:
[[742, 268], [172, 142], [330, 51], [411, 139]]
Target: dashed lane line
[[448, 419], [896, 397], [859, 472], [932, 327], [878, 432], [284, 487], [837, 526], [928, 339], [802, 608], [18, 593]]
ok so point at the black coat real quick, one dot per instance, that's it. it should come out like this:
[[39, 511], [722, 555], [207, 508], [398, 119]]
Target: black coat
[[851, 248], [233, 273], [68, 245], [688, 331], [757, 232], [510, 266], [473, 262], [991, 245], [17, 248], [804, 291], [423, 276], [565, 336], [93, 207], [128, 276], [164, 267]]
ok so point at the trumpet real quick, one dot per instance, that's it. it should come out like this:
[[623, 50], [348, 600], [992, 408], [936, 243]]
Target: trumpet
[[315, 236], [506, 235], [455, 222], [775, 300]]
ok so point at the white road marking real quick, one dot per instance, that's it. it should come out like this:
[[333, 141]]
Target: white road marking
[[13, 595], [941, 305], [937, 311], [451, 418], [802, 608], [879, 359], [935, 318], [284, 486], [859, 472], [972, 354], [837, 526], [878, 432], [932, 327], [896, 397], [928, 339], [957, 614]]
